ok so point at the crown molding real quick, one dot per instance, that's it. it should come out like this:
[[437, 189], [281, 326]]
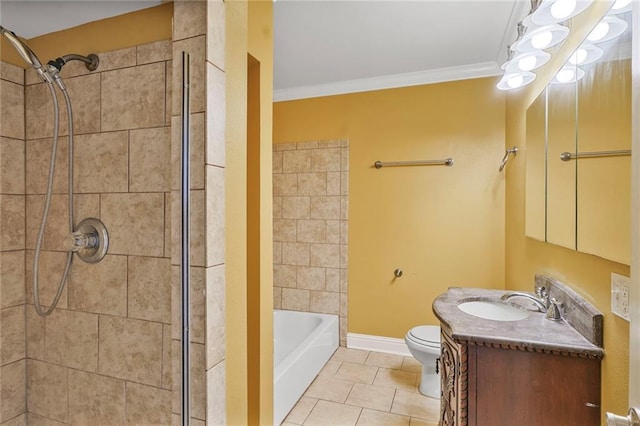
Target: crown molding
[[440, 75]]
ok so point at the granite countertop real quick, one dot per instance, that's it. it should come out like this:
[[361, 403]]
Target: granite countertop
[[534, 333]]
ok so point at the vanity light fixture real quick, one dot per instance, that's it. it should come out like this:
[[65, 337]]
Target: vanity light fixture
[[620, 6], [586, 54], [568, 74], [541, 38], [555, 11], [528, 61], [515, 80], [607, 29]]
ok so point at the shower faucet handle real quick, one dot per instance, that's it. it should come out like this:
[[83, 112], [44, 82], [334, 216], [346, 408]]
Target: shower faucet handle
[[79, 240]]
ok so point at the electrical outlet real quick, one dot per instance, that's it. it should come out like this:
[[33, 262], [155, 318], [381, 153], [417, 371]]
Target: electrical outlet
[[620, 295]]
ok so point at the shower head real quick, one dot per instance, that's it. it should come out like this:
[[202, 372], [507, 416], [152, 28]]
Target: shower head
[[24, 51]]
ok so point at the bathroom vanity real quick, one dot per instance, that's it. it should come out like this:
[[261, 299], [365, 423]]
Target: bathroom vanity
[[531, 371]]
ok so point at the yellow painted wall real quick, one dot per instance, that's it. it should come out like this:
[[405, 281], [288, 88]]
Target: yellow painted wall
[[131, 29], [588, 275], [444, 226]]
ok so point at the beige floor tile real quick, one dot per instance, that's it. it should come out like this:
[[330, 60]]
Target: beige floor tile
[[355, 356], [300, 411], [329, 389], [420, 422], [375, 397], [329, 413], [414, 404], [378, 418], [330, 368], [385, 360], [399, 379], [409, 363], [356, 373]]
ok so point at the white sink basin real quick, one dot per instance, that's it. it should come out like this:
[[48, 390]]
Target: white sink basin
[[497, 311]]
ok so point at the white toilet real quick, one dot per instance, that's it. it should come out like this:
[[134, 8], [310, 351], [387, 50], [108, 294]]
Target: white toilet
[[424, 344]]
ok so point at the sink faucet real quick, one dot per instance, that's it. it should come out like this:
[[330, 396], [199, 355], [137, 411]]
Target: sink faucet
[[540, 299]]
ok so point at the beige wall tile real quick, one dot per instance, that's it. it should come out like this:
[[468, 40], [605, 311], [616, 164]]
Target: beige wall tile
[[329, 144], [176, 348], [47, 390], [284, 276], [377, 418], [344, 280], [37, 420], [276, 162], [167, 225], [12, 73], [12, 326], [133, 97], [344, 256], [325, 160], [344, 158], [325, 255], [12, 166], [12, 279], [277, 298], [344, 306], [311, 231], [196, 48], [333, 183], [131, 349], [277, 207], [325, 207], [310, 279], [215, 316], [101, 162], [215, 221], [12, 218], [312, 184], [216, 95], [149, 288], [216, 33], [332, 279], [284, 147], [296, 161], [167, 360], [296, 254], [344, 232], [197, 295], [189, 19], [121, 58], [100, 287], [216, 403], [277, 252], [374, 397], [295, 299], [150, 152], [71, 339], [344, 183], [135, 223], [147, 405], [73, 69], [333, 231], [343, 331], [324, 302], [95, 400], [12, 110], [168, 87], [198, 381], [329, 389], [13, 390], [35, 334], [153, 52], [415, 404], [307, 145], [284, 230], [285, 184], [50, 269], [196, 151], [330, 413], [296, 207], [38, 158]]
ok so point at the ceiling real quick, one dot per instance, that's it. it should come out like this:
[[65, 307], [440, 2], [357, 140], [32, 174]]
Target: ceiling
[[327, 47]]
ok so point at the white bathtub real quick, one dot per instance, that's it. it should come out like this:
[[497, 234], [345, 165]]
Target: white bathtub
[[303, 343]]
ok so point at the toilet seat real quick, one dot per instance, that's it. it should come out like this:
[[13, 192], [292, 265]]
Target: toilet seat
[[425, 335]]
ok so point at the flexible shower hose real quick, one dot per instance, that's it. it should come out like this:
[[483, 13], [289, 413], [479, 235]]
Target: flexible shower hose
[[47, 202]]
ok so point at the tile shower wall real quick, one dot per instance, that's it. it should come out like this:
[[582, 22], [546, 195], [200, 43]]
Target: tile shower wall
[[104, 356], [310, 228], [12, 247]]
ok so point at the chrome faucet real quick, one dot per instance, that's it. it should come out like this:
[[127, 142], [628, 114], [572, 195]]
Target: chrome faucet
[[540, 299]]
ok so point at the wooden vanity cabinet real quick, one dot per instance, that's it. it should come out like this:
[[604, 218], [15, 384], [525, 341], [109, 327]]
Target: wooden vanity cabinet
[[485, 385]]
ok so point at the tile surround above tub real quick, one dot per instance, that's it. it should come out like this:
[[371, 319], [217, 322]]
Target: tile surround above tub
[[310, 211]]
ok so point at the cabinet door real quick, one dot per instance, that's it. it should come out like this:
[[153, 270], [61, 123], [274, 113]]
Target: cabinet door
[[453, 376]]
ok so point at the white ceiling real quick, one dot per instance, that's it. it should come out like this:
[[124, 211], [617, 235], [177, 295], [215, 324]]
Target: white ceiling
[[326, 47]]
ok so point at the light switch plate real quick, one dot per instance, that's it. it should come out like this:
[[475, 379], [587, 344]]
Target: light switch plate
[[620, 295]]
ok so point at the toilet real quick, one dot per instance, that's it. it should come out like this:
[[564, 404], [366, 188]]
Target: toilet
[[423, 342]]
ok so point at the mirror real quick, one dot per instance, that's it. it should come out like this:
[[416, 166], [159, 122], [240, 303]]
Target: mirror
[[586, 200]]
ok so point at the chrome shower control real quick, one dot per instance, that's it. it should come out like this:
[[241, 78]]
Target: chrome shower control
[[90, 241]]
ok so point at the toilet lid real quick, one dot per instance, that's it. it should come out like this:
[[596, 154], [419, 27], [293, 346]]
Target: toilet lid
[[430, 334]]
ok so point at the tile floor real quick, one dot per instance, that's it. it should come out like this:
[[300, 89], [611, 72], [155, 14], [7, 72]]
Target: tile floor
[[367, 389]]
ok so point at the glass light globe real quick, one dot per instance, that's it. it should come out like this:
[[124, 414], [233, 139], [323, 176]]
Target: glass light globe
[[527, 63], [515, 81], [561, 9], [578, 56], [565, 75], [620, 4], [599, 32], [542, 40]]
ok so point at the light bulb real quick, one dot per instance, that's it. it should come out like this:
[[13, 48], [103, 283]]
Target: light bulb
[[527, 63], [619, 4], [599, 32], [542, 40], [561, 9], [515, 81], [578, 56], [565, 75]]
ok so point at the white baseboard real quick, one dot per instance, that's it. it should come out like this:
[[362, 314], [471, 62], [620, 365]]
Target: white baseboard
[[368, 342]]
